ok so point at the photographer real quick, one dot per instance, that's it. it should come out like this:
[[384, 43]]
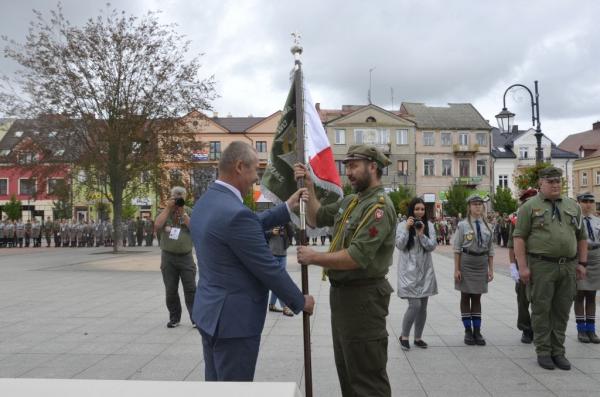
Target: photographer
[[416, 239], [172, 224]]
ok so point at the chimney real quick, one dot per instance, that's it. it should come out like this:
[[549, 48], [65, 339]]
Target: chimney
[[596, 126], [215, 114], [318, 106]]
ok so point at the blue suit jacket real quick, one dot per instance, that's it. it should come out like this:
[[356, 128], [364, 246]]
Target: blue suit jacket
[[235, 266]]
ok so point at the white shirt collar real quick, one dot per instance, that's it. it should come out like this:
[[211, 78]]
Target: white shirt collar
[[232, 188]]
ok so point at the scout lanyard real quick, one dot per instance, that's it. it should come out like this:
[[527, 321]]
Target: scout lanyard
[[345, 216]]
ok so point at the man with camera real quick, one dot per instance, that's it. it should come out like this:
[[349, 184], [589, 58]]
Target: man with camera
[[177, 262]]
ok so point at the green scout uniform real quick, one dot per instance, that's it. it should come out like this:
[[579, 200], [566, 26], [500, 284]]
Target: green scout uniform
[[523, 316], [551, 232], [364, 225]]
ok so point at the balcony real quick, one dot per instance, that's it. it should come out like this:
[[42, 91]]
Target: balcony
[[465, 149], [468, 180], [263, 156]]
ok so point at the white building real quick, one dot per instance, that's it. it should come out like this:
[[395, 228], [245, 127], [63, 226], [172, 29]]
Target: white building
[[516, 149]]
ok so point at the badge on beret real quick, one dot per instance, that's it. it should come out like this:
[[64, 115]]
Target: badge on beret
[[373, 231], [469, 236], [378, 214]]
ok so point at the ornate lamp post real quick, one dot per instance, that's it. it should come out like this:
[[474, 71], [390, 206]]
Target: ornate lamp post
[[505, 118]]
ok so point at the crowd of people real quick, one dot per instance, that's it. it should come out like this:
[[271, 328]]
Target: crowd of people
[[73, 233]]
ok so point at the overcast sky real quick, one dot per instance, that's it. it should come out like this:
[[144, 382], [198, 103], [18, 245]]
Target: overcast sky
[[431, 51]]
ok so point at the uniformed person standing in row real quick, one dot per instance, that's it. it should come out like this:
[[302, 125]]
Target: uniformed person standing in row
[[523, 315], [48, 231], [585, 300], [20, 232], [27, 233], [473, 266], [36, 233], [364, 228], [547, 238]]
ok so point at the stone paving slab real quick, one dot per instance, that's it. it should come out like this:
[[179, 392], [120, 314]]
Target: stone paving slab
[[88, 314]]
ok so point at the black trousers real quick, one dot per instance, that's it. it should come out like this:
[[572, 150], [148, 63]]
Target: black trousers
[[175, 267]]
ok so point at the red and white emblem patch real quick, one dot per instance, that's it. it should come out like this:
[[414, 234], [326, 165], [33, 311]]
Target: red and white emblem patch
[[378, 214]]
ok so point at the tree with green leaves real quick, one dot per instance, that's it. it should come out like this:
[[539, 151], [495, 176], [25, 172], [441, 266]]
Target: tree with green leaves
[[401, 197], [457, 200], [529, 176], [503, 201], [114, 91], [13, 208]]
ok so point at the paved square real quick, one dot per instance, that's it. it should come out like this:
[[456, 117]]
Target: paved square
[[84, 313]]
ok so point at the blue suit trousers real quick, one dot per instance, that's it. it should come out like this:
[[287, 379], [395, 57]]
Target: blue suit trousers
[[229, 359]]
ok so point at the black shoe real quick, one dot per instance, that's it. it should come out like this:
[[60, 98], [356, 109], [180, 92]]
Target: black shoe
[[172, 324], [545, 362], [404, 344], [420, 343], [469, 339], [583, 337], [479, 341], [561, 362], [593, 337], [527, 337]]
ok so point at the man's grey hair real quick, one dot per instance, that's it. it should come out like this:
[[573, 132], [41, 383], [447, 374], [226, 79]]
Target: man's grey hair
[[178, 191], [236, 151]]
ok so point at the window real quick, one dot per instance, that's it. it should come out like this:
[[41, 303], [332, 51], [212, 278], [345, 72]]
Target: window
[[59, 152], [81, 176], [145, 176], [55, 185], [401, 137], [385, 171], [340, 136], [463, 139], [383, 136], [464, 167], [481, 139], [429, 167], [358, 137], [52, 134], [341, 167], [26, 158], [584, 180], [523, 152], [3, 187], [446, 167], [261, 146], [402, 167], [18, 134], [4, 152], [597, 177], [428, 139], [446, 138], [503, 181], [481, 167], [27, 187], [214, 150]]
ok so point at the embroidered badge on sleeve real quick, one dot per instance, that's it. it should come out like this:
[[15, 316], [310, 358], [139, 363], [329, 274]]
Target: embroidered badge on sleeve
[[378, 214], [373, 231]]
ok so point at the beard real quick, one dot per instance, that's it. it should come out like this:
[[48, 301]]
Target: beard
[[361, 182]]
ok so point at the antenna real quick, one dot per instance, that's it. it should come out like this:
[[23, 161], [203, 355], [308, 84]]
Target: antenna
[[392, 94], [370, 83]]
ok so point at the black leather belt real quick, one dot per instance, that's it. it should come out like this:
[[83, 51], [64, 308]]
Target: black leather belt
[[466, 251], [363, 282], [562, 260]]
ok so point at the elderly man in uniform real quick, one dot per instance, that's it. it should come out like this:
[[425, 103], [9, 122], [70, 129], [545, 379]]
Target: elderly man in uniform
[[547, 240], [364, 229]]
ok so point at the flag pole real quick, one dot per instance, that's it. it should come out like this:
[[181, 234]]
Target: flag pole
[[299, 92]]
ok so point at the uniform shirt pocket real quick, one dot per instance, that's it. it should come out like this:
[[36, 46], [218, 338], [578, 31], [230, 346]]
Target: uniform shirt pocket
[[539, 219]]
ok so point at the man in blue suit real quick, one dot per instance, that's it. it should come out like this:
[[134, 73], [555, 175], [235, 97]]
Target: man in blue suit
[[237, 269]]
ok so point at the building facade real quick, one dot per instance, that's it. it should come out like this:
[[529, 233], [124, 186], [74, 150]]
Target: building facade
[[452, 146]]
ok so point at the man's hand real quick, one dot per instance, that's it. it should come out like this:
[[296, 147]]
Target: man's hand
[[294, 201], [300, 171], [524, 274], [305, 255], [309, 304], [581, 272]]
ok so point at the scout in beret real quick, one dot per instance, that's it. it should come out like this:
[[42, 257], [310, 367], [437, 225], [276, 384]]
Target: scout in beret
[[473, 266], [585, 300]]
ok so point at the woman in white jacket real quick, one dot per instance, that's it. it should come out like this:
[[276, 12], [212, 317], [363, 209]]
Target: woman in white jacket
[[415, 238]]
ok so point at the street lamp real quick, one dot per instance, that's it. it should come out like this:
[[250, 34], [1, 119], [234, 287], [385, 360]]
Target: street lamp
[[505, 118]]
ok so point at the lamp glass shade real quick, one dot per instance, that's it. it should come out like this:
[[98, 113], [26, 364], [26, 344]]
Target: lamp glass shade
[[505, 120]]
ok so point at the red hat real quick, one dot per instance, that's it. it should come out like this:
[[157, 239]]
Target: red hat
[[527, 194]]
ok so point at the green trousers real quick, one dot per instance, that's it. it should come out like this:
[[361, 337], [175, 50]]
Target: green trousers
[[523, 316], [360, 338], [551, 291]]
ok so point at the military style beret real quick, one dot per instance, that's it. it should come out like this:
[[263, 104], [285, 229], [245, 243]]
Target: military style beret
[[525, 194], [474, 198], [550, 172], [369, 153], [586, 196]]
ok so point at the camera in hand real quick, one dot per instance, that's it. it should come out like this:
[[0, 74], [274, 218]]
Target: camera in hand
[[179, 202], [418, 224]]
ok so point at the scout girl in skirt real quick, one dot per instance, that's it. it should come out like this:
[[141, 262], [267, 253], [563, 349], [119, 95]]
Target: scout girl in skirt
[[585, 300], [473, 267]]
